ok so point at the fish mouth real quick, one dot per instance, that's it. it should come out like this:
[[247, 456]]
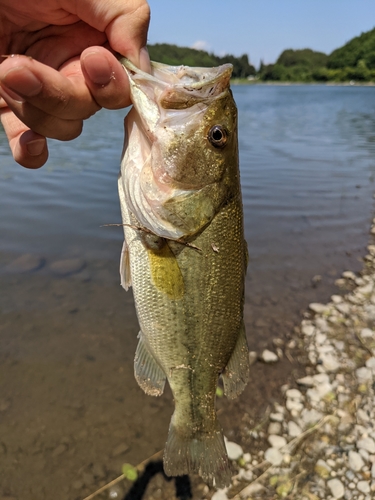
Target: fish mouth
[[180, 87]]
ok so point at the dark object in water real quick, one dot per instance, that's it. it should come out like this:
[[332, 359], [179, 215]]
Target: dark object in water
[[182, 483]]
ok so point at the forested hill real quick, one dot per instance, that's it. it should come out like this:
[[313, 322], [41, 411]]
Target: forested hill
[[353, 61], [174, 55]]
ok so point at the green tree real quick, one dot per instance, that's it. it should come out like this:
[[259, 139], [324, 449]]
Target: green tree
[[360, 47], [176, 56], [302, 57]]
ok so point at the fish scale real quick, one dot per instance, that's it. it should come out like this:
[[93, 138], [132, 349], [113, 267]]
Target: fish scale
[[189, 290]]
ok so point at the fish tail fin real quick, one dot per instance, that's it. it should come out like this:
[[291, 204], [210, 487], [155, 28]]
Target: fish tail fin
[[202, 453]]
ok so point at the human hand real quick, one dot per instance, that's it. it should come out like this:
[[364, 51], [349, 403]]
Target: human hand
[[66, 71]]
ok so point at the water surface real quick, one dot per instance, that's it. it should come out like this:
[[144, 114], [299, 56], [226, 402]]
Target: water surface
[[70, 410]]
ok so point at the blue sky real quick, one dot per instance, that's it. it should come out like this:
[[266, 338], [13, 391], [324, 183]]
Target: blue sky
[[260, 28]]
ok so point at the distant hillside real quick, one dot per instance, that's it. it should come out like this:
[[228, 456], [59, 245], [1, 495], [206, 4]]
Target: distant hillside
[[294, 65], [174, 55], [354, 61], [357, 50]]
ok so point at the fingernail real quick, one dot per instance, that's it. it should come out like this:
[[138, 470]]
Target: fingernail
[[97, 68], [8, 94], [22, 81], [35, 147], [144, 60]]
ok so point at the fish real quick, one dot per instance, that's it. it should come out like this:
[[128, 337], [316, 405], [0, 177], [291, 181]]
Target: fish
[[185, 254]]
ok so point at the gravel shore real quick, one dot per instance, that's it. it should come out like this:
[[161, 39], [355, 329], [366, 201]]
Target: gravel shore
[[320, 443]]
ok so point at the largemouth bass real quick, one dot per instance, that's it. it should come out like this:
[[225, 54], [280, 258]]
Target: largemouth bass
[[185, 254]]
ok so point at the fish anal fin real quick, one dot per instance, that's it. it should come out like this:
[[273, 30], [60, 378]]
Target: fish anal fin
[[126, 281], [148, 373], [236, 374]]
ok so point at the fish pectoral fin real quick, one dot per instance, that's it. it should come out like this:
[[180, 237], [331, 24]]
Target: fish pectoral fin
[[236, 374], [126, 280], [148, 373]]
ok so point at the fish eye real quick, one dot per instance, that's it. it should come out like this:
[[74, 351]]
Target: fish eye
[[218, 136]]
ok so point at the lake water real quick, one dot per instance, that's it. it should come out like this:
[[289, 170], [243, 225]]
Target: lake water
[[70, 410]]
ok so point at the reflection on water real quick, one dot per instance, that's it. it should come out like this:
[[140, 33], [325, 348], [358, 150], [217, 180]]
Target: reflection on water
[[70, 410]]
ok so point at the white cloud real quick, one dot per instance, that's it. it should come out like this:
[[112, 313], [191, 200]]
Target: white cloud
[[201, 45]]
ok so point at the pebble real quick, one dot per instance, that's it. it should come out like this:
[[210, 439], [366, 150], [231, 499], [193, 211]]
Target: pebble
[[310, 417], [276, 417], [317, 307], [220, 494], [77, 485], [308, 330], [59, 450], [322, 468], [336, 487], [119, 449], [366, 289], [274, 428], [115, 492], [294, 429], [294, 405], [253, 356], [65, 267], [367, 333], [307, 381], [355, 461], [273, 456], [367, 444], [330, 362], [336, 299], [25, 264], [269, 356], [370, 363], [349, 275], [234, 450], [276, 441], [364, 374], [363, 486], [294, 394]]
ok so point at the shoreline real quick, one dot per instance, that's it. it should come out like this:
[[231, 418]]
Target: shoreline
[[319, 443], [237, 81]]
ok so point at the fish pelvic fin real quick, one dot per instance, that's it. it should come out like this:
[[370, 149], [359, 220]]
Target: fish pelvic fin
[[148, 373], [236, 374], [126, 280], [202, 453]]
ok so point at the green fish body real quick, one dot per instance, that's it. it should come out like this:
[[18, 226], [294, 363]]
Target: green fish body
[[184, 253]]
